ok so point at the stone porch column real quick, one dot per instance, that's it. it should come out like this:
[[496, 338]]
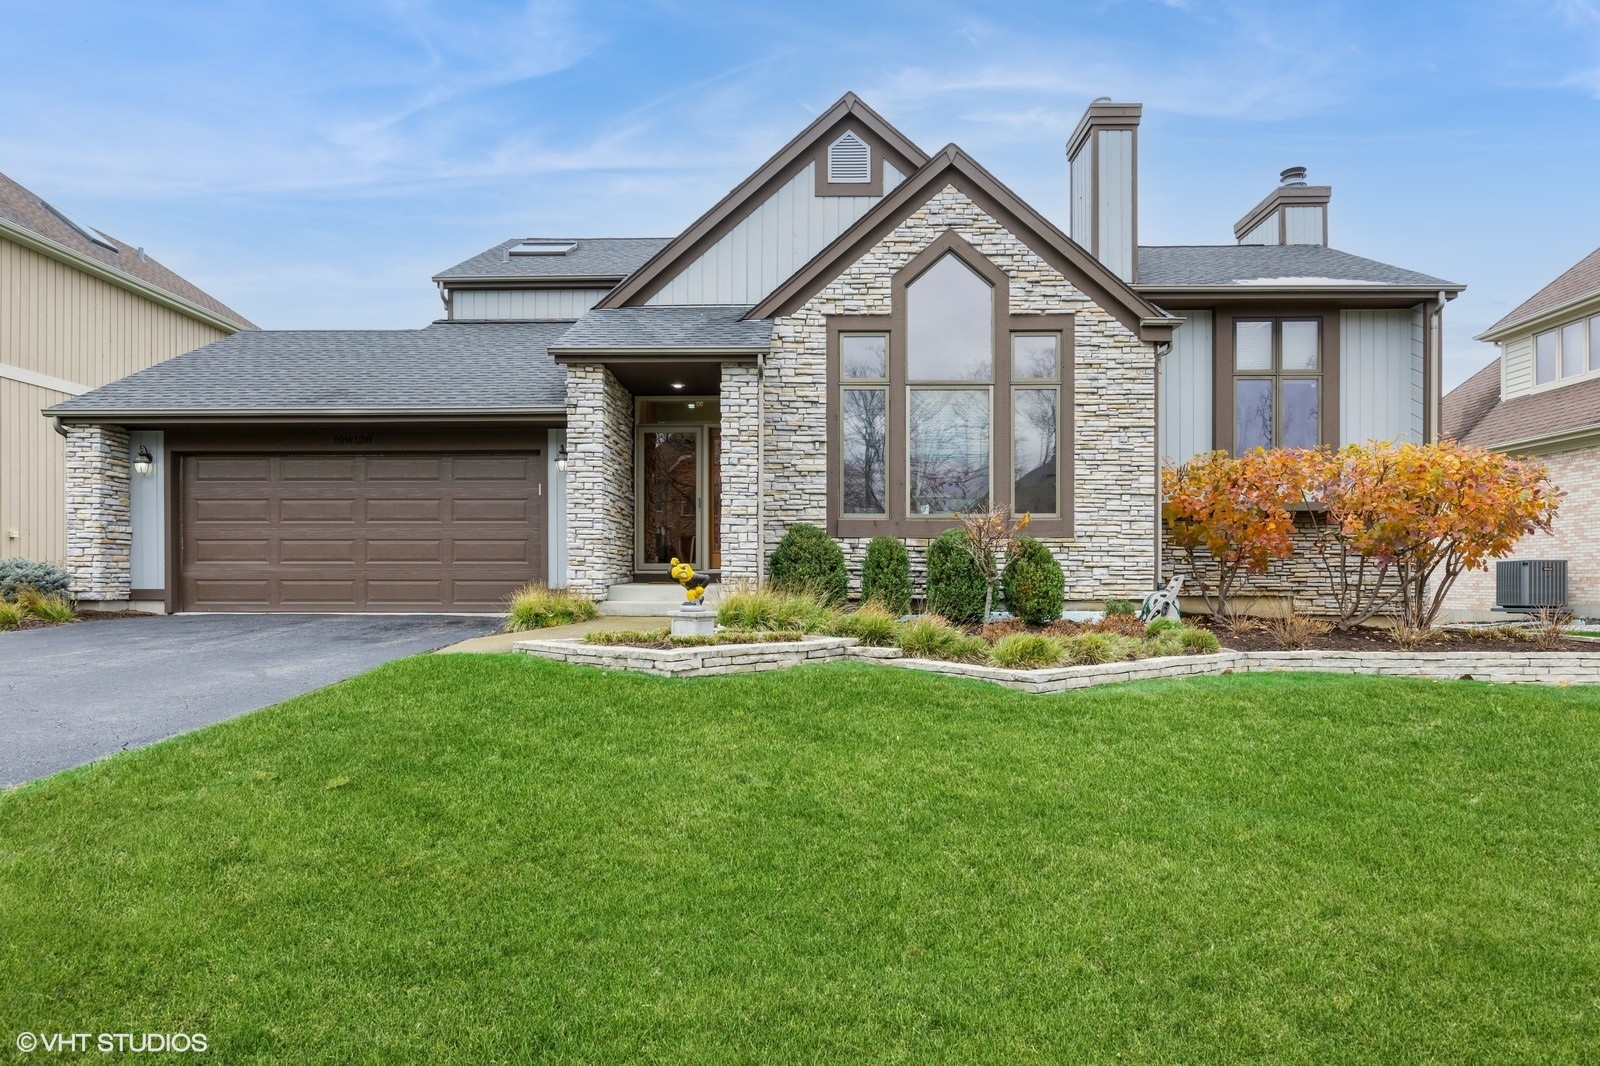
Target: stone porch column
[[99, 515], [599, 481], [741, 555]]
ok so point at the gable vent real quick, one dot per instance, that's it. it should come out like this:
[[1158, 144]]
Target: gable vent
[[849, 161]]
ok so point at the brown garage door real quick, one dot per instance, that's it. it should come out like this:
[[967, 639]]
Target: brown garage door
[[359, 532]]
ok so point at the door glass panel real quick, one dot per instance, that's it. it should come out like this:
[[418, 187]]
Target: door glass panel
[[949, 460], [653, 412], [1300, 413], [1252, 414], [714, 497], [668, 511]]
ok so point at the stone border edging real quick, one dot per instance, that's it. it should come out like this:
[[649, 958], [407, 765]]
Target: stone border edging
[[1551, 668]]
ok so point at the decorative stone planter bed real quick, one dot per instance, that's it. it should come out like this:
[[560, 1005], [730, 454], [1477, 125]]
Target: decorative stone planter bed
[[1551, 668]]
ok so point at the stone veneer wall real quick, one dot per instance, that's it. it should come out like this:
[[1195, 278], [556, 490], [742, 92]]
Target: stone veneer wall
[[1575, 537], [599, 481], [738, 459], [1296, 581], [99, 513], [1112, 550]]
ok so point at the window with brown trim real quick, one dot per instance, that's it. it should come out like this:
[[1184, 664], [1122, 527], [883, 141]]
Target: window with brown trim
[[947, 403], [1277, 383]]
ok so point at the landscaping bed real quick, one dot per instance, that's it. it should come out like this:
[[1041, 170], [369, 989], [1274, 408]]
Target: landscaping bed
[[1261, 637]]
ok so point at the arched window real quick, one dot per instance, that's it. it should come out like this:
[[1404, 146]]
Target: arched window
[[849, 161]]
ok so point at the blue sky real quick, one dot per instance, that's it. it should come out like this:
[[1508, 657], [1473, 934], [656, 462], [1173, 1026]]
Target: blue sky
[[312, 164]]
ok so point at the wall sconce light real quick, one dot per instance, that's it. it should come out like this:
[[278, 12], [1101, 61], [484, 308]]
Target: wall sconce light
[[143, 462], [561, 459]]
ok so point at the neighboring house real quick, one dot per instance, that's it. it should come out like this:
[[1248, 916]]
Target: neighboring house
[[1541, 398], [861, 335], [78, 309]]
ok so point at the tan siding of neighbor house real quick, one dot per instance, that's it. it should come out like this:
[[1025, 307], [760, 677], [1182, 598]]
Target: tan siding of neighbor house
[[1516, 366], [61, 323]]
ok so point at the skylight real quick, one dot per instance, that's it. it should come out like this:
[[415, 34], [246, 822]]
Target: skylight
[[535, 247], [90, 234]]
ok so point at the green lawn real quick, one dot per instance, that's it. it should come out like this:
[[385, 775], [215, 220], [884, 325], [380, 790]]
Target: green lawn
[[493, 858]]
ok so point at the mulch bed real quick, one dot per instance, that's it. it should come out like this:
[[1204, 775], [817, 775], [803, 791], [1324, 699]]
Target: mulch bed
[[1377, 639], [83, 616]]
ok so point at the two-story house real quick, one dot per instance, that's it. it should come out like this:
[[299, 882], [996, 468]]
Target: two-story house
[[862, 335]]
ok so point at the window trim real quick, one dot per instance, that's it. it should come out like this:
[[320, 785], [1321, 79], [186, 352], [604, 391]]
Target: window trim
[[1223, 374], [1588, 328], [899, 523]]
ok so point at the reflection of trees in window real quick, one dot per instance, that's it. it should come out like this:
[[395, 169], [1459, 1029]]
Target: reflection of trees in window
[[1033, 454], [865, 426], [949, 450]]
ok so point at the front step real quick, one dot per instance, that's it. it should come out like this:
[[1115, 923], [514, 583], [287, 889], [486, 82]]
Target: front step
[[647, 599]]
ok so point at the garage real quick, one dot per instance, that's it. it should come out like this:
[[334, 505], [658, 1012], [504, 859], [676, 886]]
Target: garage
[[452, 531]]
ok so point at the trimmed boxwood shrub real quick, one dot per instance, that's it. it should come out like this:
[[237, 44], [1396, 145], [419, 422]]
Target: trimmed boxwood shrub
[[808, 560], [886, 574], [955, 584], [1034, 585], [17, 574]]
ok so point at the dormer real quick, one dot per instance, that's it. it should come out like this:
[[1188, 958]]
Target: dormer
[[1293, 213]]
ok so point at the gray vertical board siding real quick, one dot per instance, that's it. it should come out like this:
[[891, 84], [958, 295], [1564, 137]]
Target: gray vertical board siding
[[148, 508], [527, 305], [1265, 233], [1186, 389], [1516, 366], [1082, 190], [779, 237], [1419, 355], [557, 503], [1379, 375], [1116, 201], [1302, 225]]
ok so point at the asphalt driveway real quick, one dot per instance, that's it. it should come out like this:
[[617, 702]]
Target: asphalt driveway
[[70, 694]]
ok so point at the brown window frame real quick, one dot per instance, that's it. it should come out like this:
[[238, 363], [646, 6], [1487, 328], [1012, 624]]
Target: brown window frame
[[898, 522], [1223, 431]]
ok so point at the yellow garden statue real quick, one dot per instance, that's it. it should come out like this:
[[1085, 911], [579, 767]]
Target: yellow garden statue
[[694, 587]]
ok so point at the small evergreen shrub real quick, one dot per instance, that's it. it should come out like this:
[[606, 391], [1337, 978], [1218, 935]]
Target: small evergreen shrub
[[808, 560], [886, 574], [47, 607], [1034, 585], [1026, 651], [17, 574], [538, 607], [955, 584], [872, 624], [1121, 607], [1199, 641]]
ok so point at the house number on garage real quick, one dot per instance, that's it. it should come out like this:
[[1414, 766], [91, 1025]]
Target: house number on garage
[[366, 439]]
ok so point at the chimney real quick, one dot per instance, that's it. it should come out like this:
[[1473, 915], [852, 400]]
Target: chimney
[[1103, 161], [1293, 213]]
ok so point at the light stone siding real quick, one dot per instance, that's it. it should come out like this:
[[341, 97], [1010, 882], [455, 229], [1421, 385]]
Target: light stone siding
[[1296, 583], [1111, 553], [599, 481], [1575, 537], [738, 461], [99, 513]]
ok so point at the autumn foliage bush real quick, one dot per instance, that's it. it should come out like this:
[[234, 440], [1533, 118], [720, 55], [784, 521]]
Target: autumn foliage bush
[[1392, 525]]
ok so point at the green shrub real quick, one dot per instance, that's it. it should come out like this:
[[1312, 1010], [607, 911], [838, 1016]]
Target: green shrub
[[955, 584], [1088, 649], [886, 574], [928, 637], [17, 574], [771, 609], [1121, 607], [1034, 585], [872, 624], [1026, 651], [1199, 641], [48, 607], [808, 560], [538, 607], [1159, 626], [10, 616]]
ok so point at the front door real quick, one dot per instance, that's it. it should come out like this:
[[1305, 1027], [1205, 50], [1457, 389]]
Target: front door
[[679, 509]]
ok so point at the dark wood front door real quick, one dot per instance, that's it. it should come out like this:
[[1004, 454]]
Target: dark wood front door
[[395, 532]]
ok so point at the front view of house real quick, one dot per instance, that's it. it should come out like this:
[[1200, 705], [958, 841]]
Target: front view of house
[[861, 335]]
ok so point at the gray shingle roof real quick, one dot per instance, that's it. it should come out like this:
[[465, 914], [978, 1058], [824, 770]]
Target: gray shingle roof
[[1171, 266], [594, 257], [449, 366], [667, 327]]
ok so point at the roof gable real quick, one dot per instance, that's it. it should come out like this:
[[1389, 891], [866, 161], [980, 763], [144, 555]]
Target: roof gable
[[1578, 282], [952, 166], [810, 144]]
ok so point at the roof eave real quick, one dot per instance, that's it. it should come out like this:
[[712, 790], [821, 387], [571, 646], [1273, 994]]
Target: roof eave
[[550, 281], [232, 414], [1548, 441], [566, 355], [1246, 292], [89, 265]]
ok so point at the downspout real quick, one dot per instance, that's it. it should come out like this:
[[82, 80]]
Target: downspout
[[761, 462], [1161, 353]]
